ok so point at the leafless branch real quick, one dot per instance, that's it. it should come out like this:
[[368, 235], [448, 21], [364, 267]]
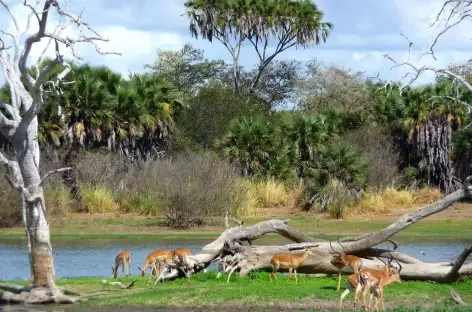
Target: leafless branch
[[53, 172], [460, 11]]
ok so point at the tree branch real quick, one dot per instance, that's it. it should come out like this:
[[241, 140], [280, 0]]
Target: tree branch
[[458, 11], [53, 172], [408, 219]]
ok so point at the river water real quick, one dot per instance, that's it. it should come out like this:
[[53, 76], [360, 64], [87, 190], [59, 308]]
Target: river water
[[76, 258]]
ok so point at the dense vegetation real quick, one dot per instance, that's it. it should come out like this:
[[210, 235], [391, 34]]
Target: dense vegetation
[[193, 138]]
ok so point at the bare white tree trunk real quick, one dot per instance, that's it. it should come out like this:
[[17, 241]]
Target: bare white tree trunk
[[19, 124], [36, 223]]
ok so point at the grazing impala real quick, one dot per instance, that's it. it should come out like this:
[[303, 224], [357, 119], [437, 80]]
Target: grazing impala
[[290, 262], [123, 258], [158, 257], [180, 252], [342, 260]]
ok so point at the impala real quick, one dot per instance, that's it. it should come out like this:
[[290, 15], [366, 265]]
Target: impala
[[356, 281], [376, 286], [158, 257], [289, 261], [342, 260], [123, 258], [180, 252]]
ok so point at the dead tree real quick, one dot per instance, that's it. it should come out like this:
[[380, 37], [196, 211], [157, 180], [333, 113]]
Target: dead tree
[[244, 259], [19, 124]]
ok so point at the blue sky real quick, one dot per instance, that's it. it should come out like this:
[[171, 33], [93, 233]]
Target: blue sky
[[364, 30]]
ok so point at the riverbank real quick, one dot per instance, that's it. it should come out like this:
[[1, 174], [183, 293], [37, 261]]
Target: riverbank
[[256, 291], [452, 224]]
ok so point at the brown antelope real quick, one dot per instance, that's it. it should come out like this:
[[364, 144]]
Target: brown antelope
[[123, 258], [342, 260], [356, 281], [180, 252], [289, 261], [158, 257], [375, 287]]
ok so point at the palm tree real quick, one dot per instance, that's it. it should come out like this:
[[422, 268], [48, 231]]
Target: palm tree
[[286, 22], [249, 143], [428, 116], [305, 134]]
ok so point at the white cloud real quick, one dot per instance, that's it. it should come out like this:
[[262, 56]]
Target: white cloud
[[364, 31]]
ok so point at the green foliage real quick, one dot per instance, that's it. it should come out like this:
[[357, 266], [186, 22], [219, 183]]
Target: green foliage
[[342, 161], [251, 143], [210, 111], [301, 20], [98, 199], [101, 109], [186, 69]]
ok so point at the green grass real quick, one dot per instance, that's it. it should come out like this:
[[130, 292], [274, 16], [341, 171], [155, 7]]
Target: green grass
[[257, 290], [128, 226]]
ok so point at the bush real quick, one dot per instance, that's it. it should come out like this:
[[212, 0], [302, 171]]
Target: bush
[[270, 193], [380, 153], [392, 199], [245, 196], [10, 212], [97, 199], [97, 169], [144, 204], [58, 202], [188, 188]]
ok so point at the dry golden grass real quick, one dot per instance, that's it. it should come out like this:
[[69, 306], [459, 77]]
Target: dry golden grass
[[270, 193], [58, 201], [392, 199], [98, 199], [259, 194], [247, 199]]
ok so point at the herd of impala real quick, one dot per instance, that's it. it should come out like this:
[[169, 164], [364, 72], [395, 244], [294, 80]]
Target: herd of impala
[[372, 281]]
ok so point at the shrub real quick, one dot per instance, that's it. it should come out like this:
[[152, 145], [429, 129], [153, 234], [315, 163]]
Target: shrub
[[97, 169], [340, 168], [97, 199], [334, 197], [10, 212], [58, 201], [381, 156], [188, 188], [144, 204], [270, 193], [245, 196], [392, 199]]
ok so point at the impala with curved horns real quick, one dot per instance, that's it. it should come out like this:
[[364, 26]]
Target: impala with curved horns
[[342, 260]]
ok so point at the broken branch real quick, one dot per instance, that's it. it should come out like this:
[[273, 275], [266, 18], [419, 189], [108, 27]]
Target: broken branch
[[53, 172]]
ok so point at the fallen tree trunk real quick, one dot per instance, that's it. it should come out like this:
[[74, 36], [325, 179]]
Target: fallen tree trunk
[[233, 256]]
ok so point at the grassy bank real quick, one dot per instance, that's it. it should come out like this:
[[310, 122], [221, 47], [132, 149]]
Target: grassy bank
[[257, 291], [94, 226]]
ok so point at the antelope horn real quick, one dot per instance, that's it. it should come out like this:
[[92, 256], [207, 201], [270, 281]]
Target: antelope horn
[[344, 250], [333, 248], [377, 252]]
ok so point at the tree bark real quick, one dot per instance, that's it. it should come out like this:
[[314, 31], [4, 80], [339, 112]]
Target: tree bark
[[236, 257], [35, 209]]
